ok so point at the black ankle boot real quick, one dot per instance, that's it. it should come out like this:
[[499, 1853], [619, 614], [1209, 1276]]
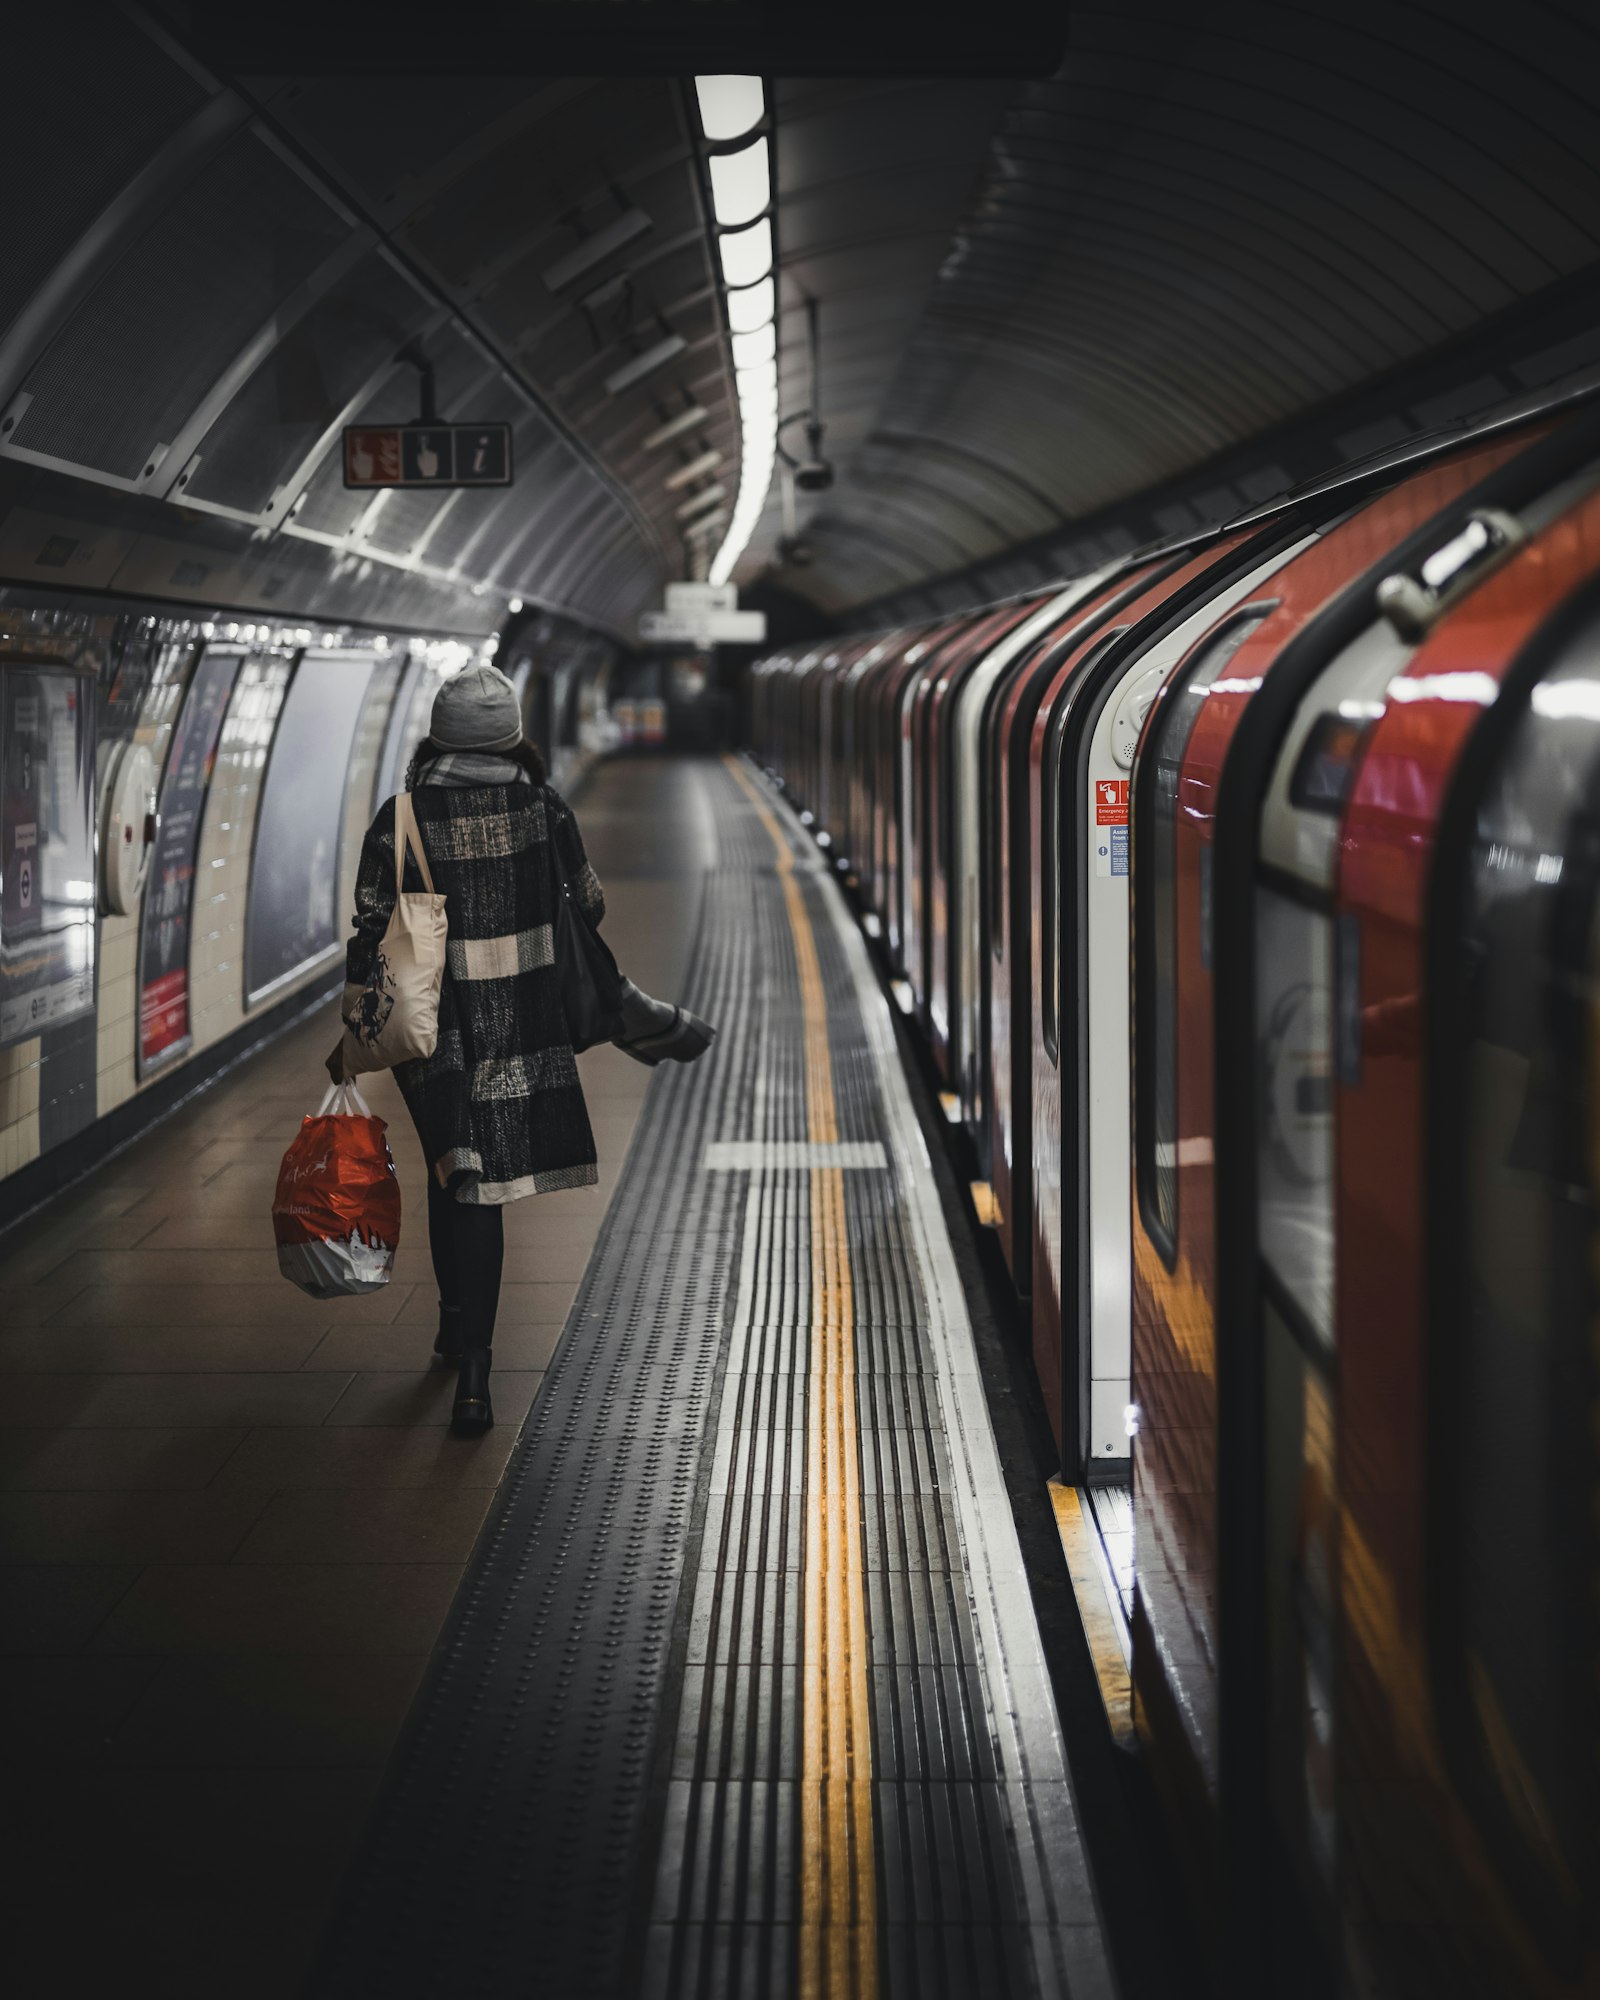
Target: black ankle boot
[[447, 1342], [473, 1413]]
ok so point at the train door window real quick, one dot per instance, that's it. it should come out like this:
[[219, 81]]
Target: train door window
[[1156, 780], [1050, 881], [1513, 1299], [1294, 1104], [994, 779]]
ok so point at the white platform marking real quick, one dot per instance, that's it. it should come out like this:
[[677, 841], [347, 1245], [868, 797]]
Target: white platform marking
[[732, 1156]]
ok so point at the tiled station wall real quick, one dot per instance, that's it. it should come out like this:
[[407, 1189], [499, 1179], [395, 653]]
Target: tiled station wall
[[53, 1086]]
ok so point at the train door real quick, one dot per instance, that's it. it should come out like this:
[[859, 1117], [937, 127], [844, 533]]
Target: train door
[[968, 916], [1467, 889], [940, 854], [1092, 967], [1012, 846], [1514, 1159], [895, 792], [1276, 964], [1301, 962], [857, 719]]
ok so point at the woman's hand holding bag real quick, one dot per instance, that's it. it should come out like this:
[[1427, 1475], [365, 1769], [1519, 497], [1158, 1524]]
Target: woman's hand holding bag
[[394, 1016]]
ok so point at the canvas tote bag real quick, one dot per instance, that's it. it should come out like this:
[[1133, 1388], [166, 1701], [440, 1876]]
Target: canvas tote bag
[[394, 1017]]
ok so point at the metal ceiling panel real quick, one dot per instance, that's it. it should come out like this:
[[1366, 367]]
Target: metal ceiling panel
[[1207, 224], [115, 387], [305, 384], [68, 153]]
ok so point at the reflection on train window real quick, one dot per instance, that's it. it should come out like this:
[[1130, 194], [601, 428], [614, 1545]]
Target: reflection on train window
[[1515, 1376], [1294, 1105], [1157, 777], [1050, 882], [994, 758], [1326, 764]]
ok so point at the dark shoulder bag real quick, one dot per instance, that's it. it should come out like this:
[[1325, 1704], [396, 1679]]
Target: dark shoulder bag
[[591, 986]]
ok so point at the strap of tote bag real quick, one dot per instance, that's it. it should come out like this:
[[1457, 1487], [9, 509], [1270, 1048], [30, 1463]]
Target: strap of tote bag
[[408, 834]]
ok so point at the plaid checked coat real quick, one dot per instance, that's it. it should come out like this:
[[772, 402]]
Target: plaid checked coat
[[497, 1106]]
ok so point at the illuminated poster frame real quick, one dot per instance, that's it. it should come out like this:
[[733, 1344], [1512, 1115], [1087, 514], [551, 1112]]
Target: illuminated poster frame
[[292, 924], [49, 931], [166, 922]]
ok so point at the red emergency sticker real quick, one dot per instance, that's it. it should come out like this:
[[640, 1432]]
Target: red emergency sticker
[[1111, 802]]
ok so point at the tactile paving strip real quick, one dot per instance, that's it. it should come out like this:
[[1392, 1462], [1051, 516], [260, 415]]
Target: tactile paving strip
[[600, 1790]]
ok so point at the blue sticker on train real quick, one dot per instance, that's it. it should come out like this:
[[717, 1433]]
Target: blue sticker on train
[[1119, 849]]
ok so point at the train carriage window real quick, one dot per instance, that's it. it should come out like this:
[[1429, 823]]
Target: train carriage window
[[1051, 779], [1514, 1232], [1156, 928], [994, 778], [1294, 1106]]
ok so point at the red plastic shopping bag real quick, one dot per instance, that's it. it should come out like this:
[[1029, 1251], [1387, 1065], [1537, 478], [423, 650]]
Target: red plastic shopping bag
[[336, 1212]]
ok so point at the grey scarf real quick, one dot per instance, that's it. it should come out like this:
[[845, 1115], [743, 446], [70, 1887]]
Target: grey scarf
[[465, 768]]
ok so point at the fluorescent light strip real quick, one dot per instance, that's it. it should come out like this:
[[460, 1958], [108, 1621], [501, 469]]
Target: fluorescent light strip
[[697, 503], [708, 461], [644, 364], [752, 308], [741, 193], [729, 105], [685, 420], [746, 254], [596, 248], [754, 350], [741, 184]]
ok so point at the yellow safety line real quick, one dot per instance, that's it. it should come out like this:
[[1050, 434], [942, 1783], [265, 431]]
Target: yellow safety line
[[838, 1876], [1094, 1608]]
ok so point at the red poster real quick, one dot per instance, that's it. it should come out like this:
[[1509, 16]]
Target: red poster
[[164, 1013], [1111, 802]]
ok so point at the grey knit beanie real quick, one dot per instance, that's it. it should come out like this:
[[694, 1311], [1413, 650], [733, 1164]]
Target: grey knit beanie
[[477, 710]]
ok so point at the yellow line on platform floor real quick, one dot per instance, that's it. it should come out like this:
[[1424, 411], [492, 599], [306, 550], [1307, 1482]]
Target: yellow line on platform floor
[[1094, 1608], [838, 1876]]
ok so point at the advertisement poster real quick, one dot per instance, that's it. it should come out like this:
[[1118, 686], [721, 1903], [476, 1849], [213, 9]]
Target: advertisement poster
[[294, 874], [47, 892], [169, 891]]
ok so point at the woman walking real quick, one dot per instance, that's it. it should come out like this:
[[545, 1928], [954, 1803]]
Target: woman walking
[[498, 1106]]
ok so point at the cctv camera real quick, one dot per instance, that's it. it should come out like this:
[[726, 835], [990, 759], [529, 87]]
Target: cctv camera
[[813, 475]]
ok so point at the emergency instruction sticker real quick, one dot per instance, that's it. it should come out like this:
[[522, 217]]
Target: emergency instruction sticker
[[1111, 802], [1109, 831]]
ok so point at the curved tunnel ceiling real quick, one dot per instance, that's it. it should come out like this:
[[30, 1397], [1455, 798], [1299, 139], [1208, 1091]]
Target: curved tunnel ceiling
[[1207, 224], [215, 278], [1035, 300]]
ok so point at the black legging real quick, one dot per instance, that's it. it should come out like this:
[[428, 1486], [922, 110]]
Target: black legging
[[468, 1244]]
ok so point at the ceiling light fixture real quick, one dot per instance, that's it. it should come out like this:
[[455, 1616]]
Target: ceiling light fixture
[[644, 364], [746, 254], [742, 193], [685, 420], [597, 248], [741, 184], [708, 461], [697, 503], [729, 105], [752, 307], [752, 350]]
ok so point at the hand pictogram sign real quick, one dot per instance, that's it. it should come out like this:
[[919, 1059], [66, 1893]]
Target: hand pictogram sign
[[1111, 802], [427, 455]]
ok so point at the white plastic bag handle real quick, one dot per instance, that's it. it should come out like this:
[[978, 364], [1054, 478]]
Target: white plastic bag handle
[[344, 1101]]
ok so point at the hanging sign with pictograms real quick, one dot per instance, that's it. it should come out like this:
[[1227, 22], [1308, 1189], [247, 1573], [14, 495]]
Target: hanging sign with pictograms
[[427, 454]]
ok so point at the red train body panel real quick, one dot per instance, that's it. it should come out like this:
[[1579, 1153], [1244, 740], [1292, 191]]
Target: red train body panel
[[1365, 1232]]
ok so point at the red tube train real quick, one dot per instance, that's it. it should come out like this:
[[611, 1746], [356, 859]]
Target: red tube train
[[1247, 895]]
